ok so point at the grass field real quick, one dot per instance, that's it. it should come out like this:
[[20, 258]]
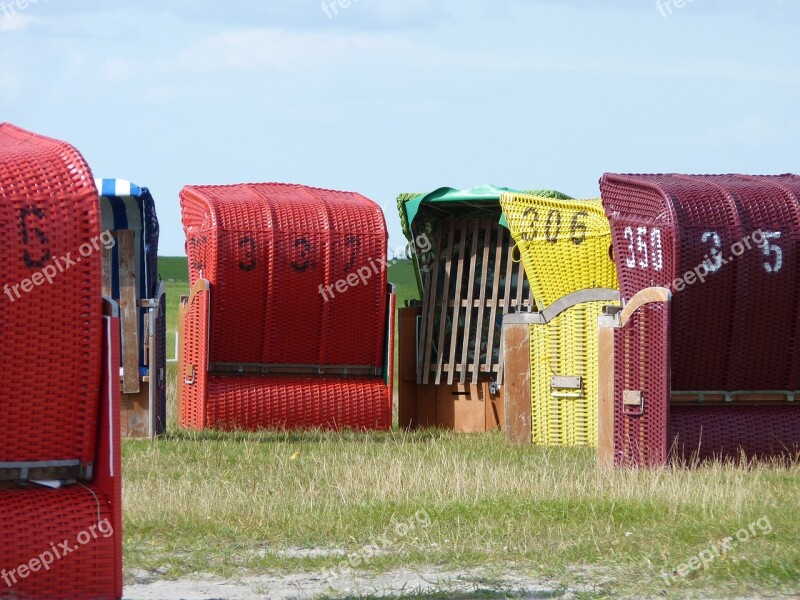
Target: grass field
[[234, 504]]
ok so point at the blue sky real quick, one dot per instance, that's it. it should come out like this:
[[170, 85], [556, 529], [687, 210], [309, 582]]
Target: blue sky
[[390, 96]]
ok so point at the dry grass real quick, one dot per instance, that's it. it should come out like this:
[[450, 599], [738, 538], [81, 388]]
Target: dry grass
[[243, 502], [223, 502]]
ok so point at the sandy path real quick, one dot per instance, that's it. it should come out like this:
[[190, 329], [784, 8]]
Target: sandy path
[[308, 586]]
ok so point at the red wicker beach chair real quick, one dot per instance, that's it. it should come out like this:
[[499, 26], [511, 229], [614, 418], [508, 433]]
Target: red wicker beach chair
[[60, 528], [288, 322], [705, 360]]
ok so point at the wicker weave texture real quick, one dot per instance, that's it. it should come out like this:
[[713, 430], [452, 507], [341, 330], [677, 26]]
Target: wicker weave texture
[[297, 402], [564, 244], [736, 328], [32, 521], [740, 329], [703, 433], [193, 377], [565, 347], [51, 352], [642, 359], [259, 402], [60, 356], [268, 250]]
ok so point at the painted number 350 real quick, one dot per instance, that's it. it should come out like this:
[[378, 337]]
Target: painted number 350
[[644, 248]]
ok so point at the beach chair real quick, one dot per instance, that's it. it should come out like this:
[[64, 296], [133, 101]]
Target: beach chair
[[703, 361], [60, 493], [451, 372], [289, 323], [550, 355], [130, 277]]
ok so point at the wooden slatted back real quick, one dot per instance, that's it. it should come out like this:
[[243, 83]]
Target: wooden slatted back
[[473, 281]]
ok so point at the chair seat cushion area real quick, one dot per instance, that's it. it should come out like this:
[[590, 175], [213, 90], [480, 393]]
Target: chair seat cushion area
[[287, 402], [703, 433], [56, 544]]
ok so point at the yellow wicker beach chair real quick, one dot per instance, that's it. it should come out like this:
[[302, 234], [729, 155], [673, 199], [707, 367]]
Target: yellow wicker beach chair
[[565, 248]]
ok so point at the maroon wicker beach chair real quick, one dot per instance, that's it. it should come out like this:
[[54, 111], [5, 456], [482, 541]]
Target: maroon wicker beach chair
[[704, 359], [290, 318], [60, 494]]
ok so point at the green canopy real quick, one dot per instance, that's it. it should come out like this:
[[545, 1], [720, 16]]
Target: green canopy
[[409, 204], [401, 201]]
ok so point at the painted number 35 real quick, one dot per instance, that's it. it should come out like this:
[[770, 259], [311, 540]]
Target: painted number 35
[[644, 248], [769, 247]]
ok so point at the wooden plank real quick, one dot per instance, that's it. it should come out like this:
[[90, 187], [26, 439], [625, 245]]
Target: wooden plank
[[605, 398], [448, 265], [135, 412], [428, 312], [461, 408], [498, 265], [452, 351], [426, 405], [108, 268], [421, 334], [520, 283], [645, 296], [487, 242], [517, 386], [128, 310], [473, 259], [509, 278], [407, 359]]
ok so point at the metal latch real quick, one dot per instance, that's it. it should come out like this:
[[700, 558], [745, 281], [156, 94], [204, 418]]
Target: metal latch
[[633, 402], [565, 382], [189, 375]]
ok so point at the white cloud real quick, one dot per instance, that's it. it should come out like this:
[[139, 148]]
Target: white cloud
[[288, 51], [16, 22]]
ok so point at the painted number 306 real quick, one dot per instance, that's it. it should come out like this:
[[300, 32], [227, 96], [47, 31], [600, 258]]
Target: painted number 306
[[645, 249]]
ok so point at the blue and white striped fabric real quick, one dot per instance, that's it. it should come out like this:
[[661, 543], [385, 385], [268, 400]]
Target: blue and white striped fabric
[[124, 205]]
